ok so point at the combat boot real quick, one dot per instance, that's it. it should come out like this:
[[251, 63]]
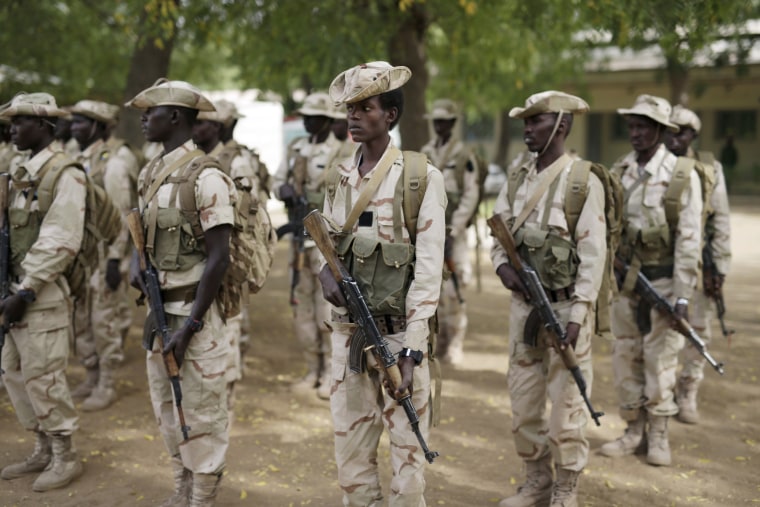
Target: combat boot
[[84, 389], [686, 397], [103, 394], [39, 459], [325, 386], [62, 469], [205, 488], [536, 491], [632, 441], [183, 485], [659, 448], [565, 491]]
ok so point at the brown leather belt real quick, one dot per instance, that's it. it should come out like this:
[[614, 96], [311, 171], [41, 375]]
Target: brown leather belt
[[184, 294], [386, 324]]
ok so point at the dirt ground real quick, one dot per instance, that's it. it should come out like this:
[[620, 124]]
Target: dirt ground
[[281, 451]]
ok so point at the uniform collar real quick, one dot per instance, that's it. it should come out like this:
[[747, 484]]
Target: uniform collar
[[530, 165], [34, 165], [178, 152], [217, 149], [93, 148]]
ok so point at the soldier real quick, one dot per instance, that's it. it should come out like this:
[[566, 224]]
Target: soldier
[[717, 237], [534, 211], [64, 140], [460, 175], [360, 407], [98, 336], [38, 312], [304, 168], [190, 275], [645, 351]]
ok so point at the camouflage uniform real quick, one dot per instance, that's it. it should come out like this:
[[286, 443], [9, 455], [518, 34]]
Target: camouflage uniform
[[97, 326], [454, 159], [311, 310]]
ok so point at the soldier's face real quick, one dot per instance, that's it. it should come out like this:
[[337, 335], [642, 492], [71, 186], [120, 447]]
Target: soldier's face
[[315, 124], [643, 132], [27, 131], [340, 129], [157, 124], [678, 143], [206, 131], [537, 130], [367, 120], [83, 129], [443, 128]]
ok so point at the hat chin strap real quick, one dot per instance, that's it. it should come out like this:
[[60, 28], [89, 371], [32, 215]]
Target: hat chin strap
[[554, 132]]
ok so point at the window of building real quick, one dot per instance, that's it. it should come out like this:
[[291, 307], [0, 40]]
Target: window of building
[[740, 124]]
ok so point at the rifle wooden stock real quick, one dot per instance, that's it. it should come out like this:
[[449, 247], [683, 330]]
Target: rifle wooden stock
[[5, 253], [150, 279], [360, 314], [543, 308]]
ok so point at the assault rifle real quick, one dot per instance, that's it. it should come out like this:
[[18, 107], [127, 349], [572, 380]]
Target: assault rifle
[[297, 211], [714, 292], [649, 294], [153, 288], [539, 301], [360, 314], [5, 253]]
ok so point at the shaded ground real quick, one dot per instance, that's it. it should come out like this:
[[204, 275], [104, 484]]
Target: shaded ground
[[281, 450]]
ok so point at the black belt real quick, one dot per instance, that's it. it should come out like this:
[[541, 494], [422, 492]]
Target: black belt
[[184, 294], [386, 324], [657, 272], [561, 294]]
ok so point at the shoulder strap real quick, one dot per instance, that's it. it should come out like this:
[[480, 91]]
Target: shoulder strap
[[678, 183], [575, 193], [415, 184], [706, 157], [515, 178], [185, 186], [49, 179], [543, 186], [380, 171]]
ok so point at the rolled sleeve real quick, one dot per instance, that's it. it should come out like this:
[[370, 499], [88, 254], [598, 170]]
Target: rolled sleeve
[[215, 195], [688, 240]]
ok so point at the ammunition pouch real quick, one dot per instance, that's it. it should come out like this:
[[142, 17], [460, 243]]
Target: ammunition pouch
[[554, 258], [175, 247], [24, 231]]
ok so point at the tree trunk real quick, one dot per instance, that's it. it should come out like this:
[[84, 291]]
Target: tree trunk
[[678, 77], [149, 62], [407, 47], [501, 154]]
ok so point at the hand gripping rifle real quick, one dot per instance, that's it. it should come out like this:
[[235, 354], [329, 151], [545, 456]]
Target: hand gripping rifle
[[543, 307], [5, 253], [297, 212], [360, 314], [649, 294], [150, 280], [714, 292]]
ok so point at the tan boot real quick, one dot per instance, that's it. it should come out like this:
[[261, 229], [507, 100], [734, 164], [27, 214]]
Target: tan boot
[[205, 488], [659, 448], [536, 491], [183, 485], [36, 463], [103, 394], [63, 468], [631, 442], [565, 491], [686, 397], [84, 389]]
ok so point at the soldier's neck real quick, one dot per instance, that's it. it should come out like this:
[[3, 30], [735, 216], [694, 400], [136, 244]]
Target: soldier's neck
[[208, 146], [371, 153], [644, 156], [44, 143], [547, 158], [177, 139]]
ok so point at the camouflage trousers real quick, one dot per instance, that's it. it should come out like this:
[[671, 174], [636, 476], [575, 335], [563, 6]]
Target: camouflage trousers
[[700, 317], [537, 373], [311, 313], [231, 332], [97, 331], [452, 315], [361, 409], [644, 366], [125, 302], [34, 358], [204, 397]]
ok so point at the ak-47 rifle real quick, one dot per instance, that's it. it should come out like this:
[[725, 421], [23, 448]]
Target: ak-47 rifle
[[712, 290], [153, 288], [360, 314], [539, 301], [5, 253], [649, 294], [298, 210]]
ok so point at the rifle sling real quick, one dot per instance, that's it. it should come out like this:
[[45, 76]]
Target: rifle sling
[[380, 171], [540, 191]]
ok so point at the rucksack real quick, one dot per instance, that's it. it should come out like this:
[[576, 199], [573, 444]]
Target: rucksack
[[680, 181], [482, 170], [102, 222], [575, 198], [252, 242]]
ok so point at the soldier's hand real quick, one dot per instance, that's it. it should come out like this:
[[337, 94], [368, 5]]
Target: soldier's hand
[[572, 331], [113, 274], [682, 311], [287, 194], [178, 343], [330, 288], [406, 365], [13, 309], [511, 280]]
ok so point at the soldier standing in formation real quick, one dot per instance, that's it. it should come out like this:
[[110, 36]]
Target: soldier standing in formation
[[191, 273], [460, 175], [665, 250], [717, 237], [301, 176], [371, 179], [98, 344], [534, 211], [39, 310]]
